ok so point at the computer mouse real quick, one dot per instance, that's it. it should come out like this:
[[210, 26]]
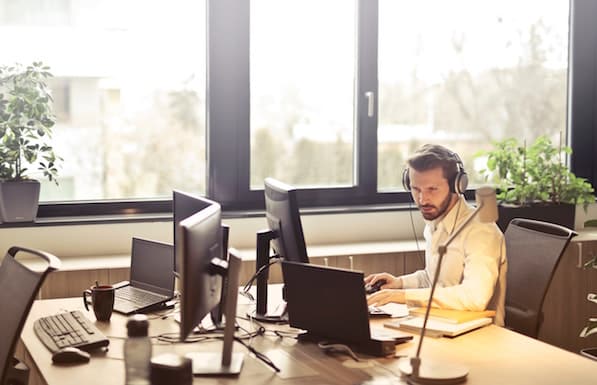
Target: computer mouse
[[370, 289], [70, 355]]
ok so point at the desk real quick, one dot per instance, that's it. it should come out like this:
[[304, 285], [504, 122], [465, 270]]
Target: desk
[[493, 355]]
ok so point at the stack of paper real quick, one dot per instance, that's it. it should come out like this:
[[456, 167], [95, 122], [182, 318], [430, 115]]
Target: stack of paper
[[452, 316], [443, 322]]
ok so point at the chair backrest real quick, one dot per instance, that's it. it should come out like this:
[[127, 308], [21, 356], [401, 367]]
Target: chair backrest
[[18, 288], [533, 249]]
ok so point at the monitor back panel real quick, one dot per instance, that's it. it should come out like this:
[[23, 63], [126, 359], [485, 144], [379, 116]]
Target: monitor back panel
[[327, 302]]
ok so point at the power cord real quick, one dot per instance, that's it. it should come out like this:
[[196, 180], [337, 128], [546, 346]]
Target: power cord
[[247, 287], [258, 354], [338, 348], [412, 224]]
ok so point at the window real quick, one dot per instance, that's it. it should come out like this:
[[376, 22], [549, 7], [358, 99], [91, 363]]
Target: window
[[302, 92], [129, 93], [468, 73], [328, 95]]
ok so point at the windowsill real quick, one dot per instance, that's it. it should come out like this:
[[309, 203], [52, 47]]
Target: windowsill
[[76, 263], [167, 216]]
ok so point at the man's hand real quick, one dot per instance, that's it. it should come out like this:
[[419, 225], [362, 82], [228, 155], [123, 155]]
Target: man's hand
[[386, 296], [391, 281]]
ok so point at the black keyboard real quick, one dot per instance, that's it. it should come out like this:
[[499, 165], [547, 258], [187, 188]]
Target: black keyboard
[[69, 329]]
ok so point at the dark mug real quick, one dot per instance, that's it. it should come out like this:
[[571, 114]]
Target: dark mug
[[102, 300]]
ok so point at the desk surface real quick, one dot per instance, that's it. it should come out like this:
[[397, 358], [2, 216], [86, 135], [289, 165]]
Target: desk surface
[[493, 355]]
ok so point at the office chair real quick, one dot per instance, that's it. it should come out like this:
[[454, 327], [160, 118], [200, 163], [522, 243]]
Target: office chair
[[18, 288], [533, 249]]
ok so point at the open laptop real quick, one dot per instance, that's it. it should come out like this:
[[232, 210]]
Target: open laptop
[[151, 283], [331, 305]]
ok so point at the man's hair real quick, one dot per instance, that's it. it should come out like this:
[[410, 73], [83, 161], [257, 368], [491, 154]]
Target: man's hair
[[431, 156]]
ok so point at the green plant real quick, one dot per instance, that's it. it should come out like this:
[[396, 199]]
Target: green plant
[[527, 175], [26, 120]]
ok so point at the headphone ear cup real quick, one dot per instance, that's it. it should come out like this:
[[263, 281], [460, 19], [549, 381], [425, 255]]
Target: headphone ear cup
[[461, 182], [405, 179]]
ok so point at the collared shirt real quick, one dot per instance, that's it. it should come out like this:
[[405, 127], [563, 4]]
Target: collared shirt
[[473, 271]]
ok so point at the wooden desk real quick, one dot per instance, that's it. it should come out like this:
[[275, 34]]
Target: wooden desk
[[493, 355]]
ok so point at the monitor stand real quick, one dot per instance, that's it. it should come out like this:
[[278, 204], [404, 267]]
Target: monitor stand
[[280, 315], [260, 313], [226, 362]]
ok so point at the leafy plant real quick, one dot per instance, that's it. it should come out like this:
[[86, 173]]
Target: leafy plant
[[534, 174], [26, 120]]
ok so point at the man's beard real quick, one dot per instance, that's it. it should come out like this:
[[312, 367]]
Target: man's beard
[[439, 210]]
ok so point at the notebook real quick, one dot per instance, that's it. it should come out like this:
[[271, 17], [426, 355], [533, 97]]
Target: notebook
[[437, 328], [330, 305], [152, 278]]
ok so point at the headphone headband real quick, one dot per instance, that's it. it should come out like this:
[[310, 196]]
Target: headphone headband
[[458, 183]]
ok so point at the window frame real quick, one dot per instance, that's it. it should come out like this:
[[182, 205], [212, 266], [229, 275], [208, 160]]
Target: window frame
[[228, 131]]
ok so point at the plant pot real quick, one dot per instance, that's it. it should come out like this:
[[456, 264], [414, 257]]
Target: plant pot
[[561, 214], [19, 201]]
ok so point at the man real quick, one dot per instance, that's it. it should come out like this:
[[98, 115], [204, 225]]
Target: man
[[473, 272]]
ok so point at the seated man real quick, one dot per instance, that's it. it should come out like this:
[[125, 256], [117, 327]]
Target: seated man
[[473, 272]]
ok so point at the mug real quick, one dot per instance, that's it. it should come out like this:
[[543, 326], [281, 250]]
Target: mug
[[102, 300]]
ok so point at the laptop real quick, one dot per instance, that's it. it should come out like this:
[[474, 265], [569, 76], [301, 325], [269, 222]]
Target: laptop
[[151, 284], [330, 304]]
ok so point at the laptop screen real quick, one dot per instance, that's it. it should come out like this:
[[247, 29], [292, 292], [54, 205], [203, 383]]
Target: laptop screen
[[151, 266], [327, 302]]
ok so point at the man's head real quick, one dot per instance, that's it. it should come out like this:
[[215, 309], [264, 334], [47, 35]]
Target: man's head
[[435, 176]]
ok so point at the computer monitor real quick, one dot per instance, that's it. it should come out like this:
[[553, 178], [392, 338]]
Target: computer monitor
[[285, 235], [283, 218], [202, 272], [183, 206]]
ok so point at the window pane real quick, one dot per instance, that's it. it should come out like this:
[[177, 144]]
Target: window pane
[[302, 75], [464, 73], [129, 92]]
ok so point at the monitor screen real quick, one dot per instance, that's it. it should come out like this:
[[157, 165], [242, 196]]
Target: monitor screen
[[283, 218], [199, 251], [183, 206]]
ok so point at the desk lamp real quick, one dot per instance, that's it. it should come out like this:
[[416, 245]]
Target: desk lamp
[[433, 372]]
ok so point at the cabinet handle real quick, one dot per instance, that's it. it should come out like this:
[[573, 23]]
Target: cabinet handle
[[325, 261], [579, 264], [591, 263], [351, 262]]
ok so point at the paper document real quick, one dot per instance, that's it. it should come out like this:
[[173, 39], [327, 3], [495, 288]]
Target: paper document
[[452, 316], [394, 310], [437, 328]]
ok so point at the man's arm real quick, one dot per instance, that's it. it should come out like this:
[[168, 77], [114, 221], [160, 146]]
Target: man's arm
[[482, 246]]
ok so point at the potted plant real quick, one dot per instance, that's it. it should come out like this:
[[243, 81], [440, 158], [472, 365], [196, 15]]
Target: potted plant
[[26, 120], [534, 182]]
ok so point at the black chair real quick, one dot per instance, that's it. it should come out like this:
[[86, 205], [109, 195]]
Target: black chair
[[533, 249], [18, 288]]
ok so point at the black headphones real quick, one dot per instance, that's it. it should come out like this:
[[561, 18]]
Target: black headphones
[[458, 183]]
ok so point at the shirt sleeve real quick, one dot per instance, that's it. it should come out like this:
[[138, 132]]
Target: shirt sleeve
[[419, 278], [482, 246]]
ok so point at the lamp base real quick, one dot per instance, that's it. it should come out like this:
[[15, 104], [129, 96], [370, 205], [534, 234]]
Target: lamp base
[[433, 372]]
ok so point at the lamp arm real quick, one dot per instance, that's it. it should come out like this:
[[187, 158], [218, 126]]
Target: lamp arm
[[442, 251]]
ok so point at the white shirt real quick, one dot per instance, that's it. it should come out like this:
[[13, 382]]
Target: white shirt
[[473, 272]]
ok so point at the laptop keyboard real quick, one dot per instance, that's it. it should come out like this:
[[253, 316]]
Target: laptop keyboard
[[138, 297]]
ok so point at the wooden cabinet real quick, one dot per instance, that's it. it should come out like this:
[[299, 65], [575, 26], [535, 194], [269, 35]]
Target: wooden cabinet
[[566, 309]]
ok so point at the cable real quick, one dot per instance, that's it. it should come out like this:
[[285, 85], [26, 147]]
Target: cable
[[412, 224], [338, 348], [247, 287], [259, 355]]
